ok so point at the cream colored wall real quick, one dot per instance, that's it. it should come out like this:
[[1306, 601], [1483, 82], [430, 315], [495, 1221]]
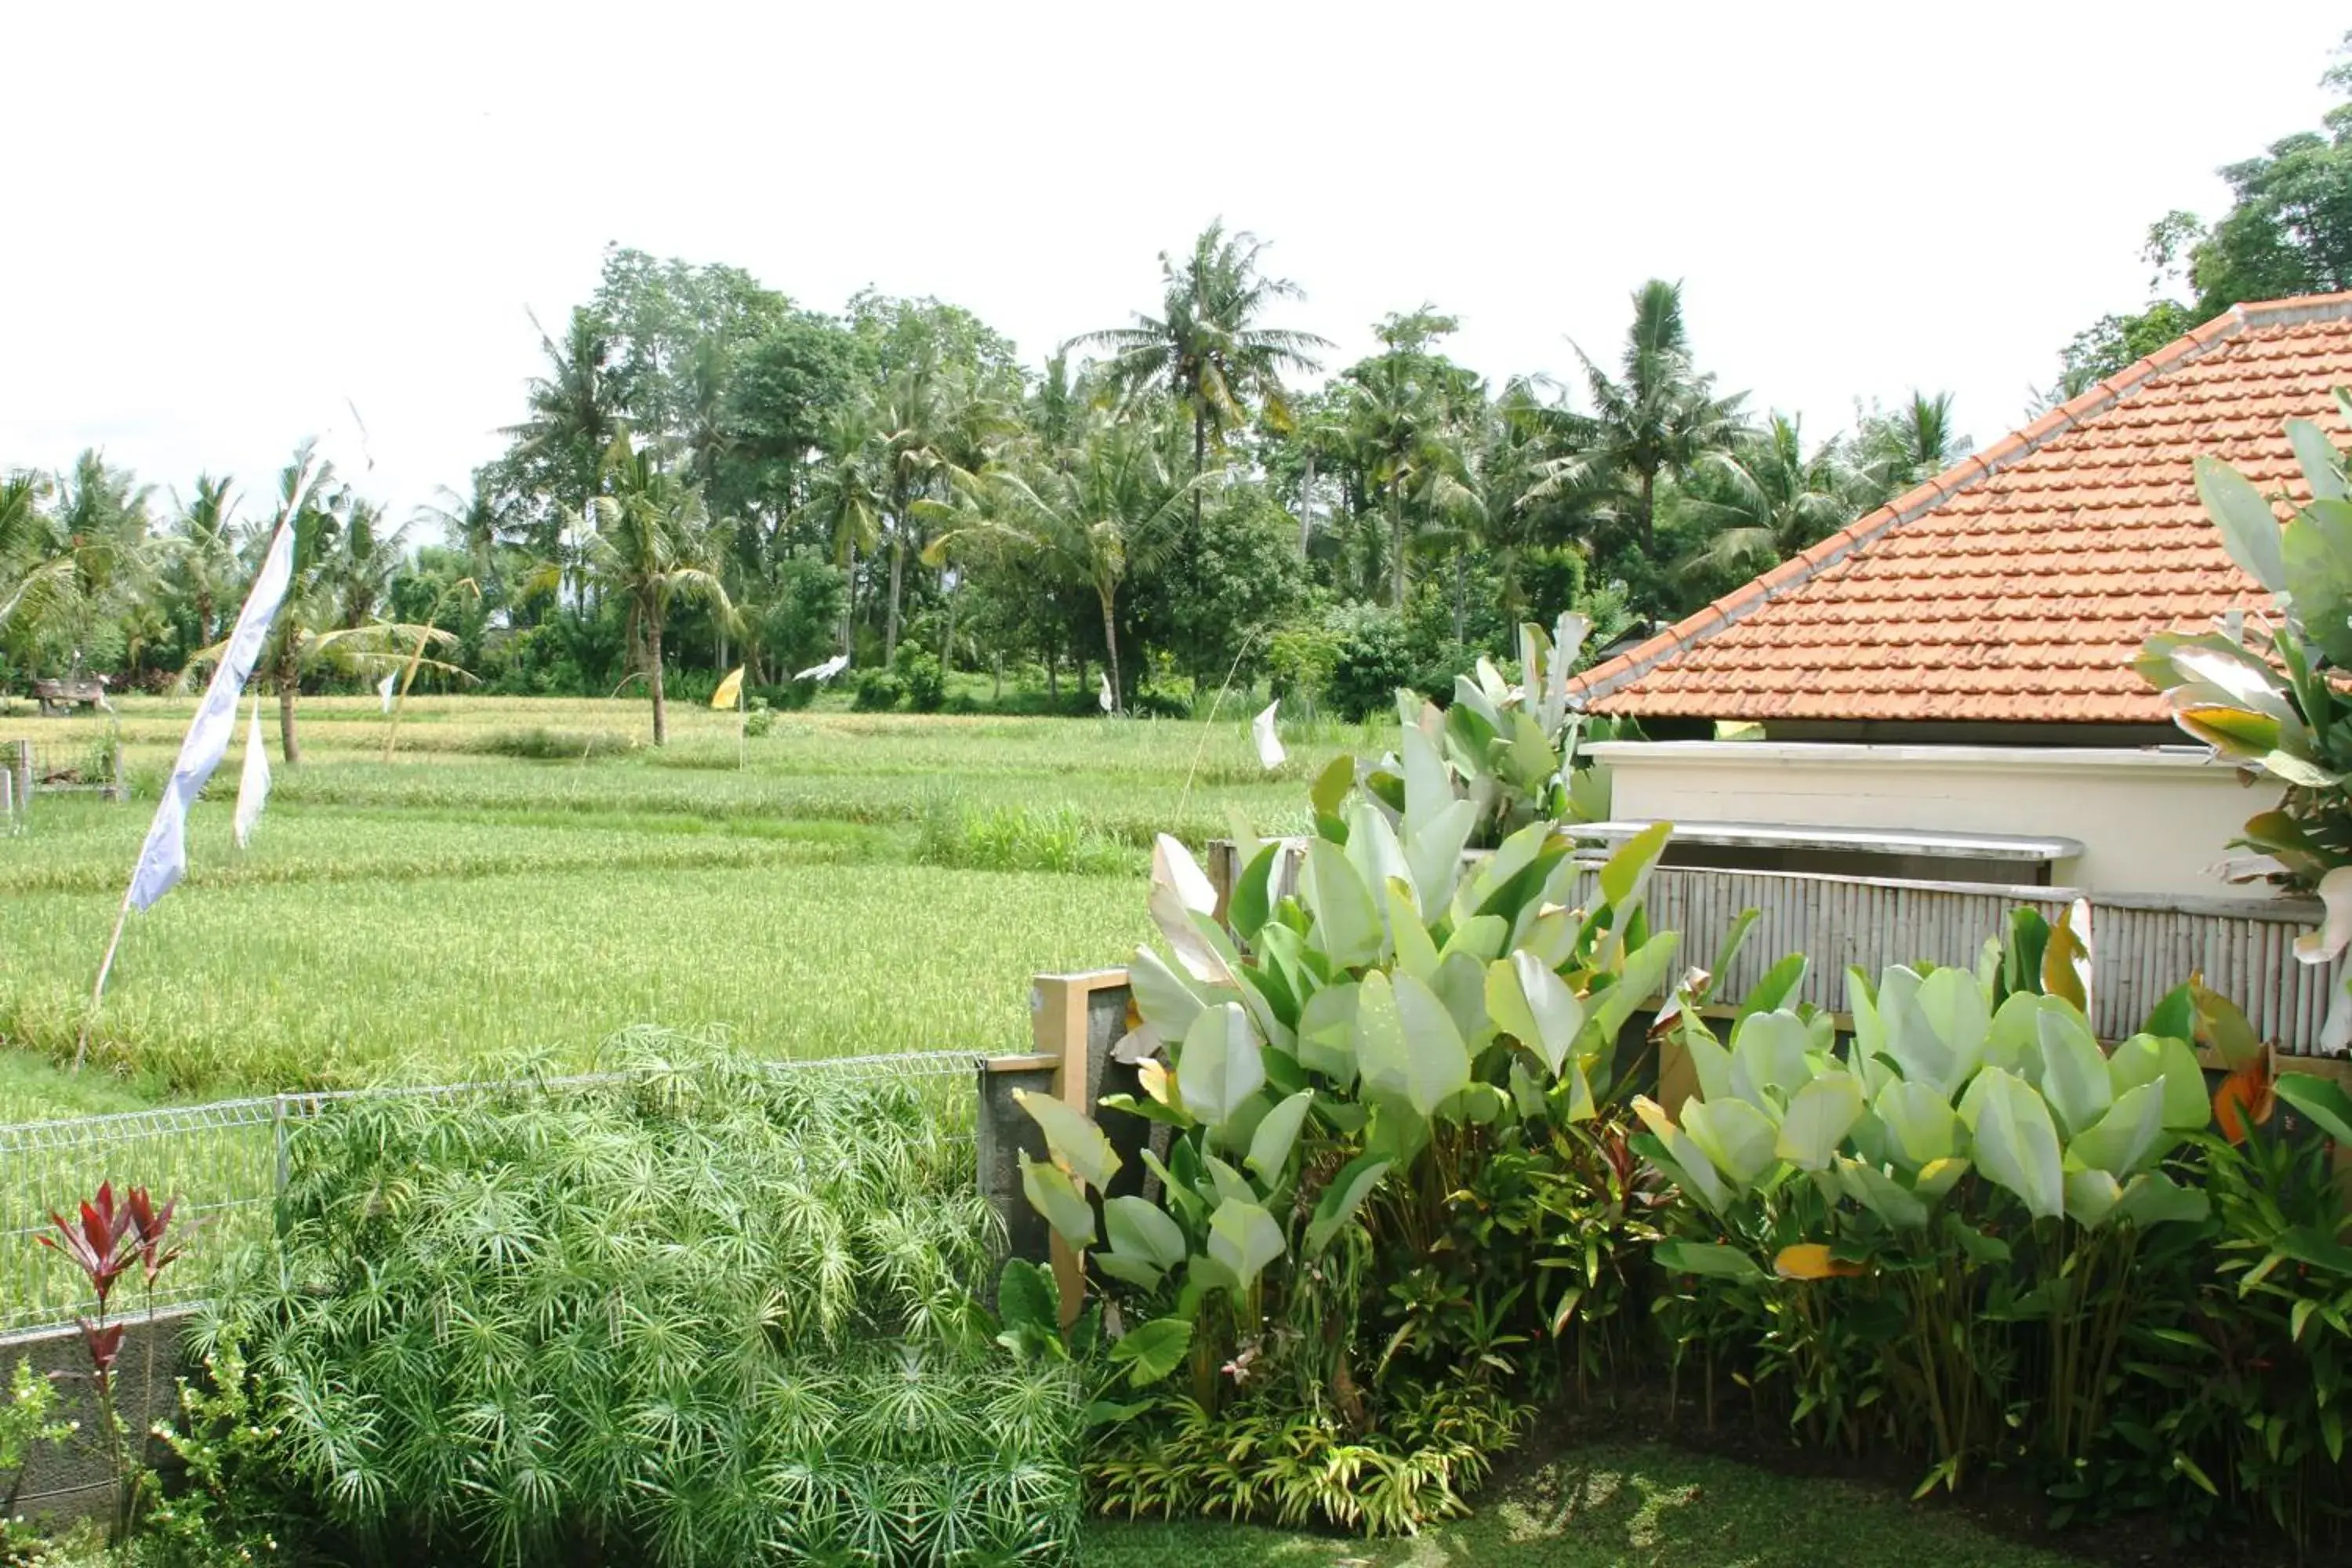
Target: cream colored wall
[[2150, 821]]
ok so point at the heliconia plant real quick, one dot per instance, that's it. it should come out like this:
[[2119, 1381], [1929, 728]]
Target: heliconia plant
[[1315, 1059], [1968, 1112]]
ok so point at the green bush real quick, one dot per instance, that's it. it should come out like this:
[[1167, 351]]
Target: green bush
[[542, 743], [706, 1313], [924, 682], [1369, 661], [879, 691]]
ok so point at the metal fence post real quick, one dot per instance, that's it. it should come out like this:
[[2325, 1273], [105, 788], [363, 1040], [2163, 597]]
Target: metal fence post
[[22, 764], [278, 1131]]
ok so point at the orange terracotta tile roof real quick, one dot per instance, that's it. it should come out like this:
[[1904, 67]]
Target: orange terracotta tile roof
[[2017, 585]]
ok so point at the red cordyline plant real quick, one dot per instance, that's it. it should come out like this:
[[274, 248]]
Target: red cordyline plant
[[105, 1241]]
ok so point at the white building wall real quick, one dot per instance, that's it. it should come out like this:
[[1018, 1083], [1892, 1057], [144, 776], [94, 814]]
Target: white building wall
[[2149, 821]]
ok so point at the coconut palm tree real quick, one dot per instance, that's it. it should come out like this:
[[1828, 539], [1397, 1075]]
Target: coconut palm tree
[[1917, 441], [1402, 412], [81, 566], [315, 628], [1207, 348], [576, 407], [1769, 498], [1107, 506], [203, 553], [849, 495], [654, 543], [1657, 417]]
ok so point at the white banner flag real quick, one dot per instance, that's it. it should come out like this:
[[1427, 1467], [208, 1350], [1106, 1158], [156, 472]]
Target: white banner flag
[[253, 785], [1269, 744], [164, 858]]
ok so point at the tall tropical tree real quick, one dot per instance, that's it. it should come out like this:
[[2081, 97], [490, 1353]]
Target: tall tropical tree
[[1209, 348], [1405, 414], [1657, 417], [654, 545], [205, 564], [1917, 441], [82, 566], [1769, 498], [314, 630], [576, 413], [1107, 506], [849, 496]]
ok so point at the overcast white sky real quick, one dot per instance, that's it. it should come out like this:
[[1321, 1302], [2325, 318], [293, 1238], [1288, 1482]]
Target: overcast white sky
[[225, 219]]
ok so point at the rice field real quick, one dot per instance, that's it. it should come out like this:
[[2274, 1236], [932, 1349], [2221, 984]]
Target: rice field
[[524, 879]]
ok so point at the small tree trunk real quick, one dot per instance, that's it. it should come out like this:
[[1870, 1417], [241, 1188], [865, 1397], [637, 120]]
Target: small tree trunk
[[1110, 645], [848, 595], [947, 643], [654, 669], [289, 684], [1461, 572], [897, 584], [1053, 674], [1396, 542]]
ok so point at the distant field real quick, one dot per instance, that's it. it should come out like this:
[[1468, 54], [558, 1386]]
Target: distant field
[[866, 883]]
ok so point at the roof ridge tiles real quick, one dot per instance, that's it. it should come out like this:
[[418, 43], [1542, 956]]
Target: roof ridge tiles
[[2199, 416]]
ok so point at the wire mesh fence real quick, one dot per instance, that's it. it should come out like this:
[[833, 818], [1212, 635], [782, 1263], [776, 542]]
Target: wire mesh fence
[[38, 765], [227, 1161]]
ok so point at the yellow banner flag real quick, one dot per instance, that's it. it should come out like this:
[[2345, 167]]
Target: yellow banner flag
[[729, 689]]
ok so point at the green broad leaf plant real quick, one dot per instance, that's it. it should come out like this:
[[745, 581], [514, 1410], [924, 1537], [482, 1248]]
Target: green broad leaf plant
[[1335, 1076], [1900, 1217], [2268, 691]]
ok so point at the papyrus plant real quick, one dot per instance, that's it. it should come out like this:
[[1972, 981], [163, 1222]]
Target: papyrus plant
[[1327, 1065], [1960, 1136]]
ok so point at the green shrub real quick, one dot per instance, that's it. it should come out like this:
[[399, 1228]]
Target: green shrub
[[1370, 659], [926, 684], [759, 719], [707, 1313], [960, 836], [1383, 1136], [879, 691]]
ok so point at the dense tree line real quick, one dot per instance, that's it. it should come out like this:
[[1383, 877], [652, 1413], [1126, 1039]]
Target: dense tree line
[[705, 472]]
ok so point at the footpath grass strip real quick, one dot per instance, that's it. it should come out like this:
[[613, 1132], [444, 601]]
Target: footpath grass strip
[[1615, 1506]]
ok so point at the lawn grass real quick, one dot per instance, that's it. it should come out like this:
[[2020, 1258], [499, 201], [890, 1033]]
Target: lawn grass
[[1615, 1505]]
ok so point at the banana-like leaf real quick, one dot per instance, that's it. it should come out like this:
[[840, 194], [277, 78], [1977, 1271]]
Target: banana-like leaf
[[1645, 969], [1415, 954], [2322, 1100], [1530, 1002], [2222, 1025], [2091, 1196], [1330, 788], [1437, 1064], [1813, 1260], [1433, 852], [2122, 1140], [2014, 1042], [1768, 1052], [1373, 849], [1245, 1239], [1270, 1144], [1428, 786], [1711, 1258], [1937, 1033], [1346, 920], [1327, 1033], [2335, 895], [1138, 1228], [2250, 529], [1168, 1001], [2067, 959], [1939, 1176], [1221, 1064], [1881, 1193], [2168, 1061], [1252, 904], [1356, 1182], [1177, 887], [2323, 470], [1483, 937], [1625, 871], [1053, 1195], [1076, 1143], [1686, 1165], [2015, 1143], [1736, 1137], [2074, 1070], [1779, 985], [2154, 1198], [1709, 1062], [1921, 1122], [1228, 1183], [1818, 1119]]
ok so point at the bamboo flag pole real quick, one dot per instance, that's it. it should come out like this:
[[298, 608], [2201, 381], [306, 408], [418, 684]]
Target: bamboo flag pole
[[164, 854]]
